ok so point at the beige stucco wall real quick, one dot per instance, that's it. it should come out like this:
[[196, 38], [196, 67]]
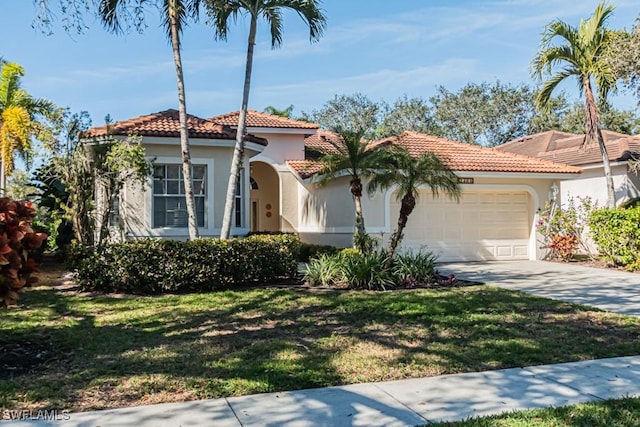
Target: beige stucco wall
[[326, 208], [593, 183], [137, 202], [281, 147], [289, 207]]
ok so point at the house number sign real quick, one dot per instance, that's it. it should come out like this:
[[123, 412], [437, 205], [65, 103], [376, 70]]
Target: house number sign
[[465, 180]]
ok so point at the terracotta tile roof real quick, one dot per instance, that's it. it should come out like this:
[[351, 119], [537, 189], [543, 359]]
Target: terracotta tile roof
[[466, 157], [304, 168], [262, 120], [322, 141], [459, 156], [570, 149], [167, 124]]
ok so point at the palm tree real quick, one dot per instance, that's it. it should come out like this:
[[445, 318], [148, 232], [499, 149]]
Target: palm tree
[[221, 11], [20, 117], [270, 109], [175, 14], [581, 54], [410, 174], [348, 153]]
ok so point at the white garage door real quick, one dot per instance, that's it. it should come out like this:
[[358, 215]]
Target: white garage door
[[485, 225]]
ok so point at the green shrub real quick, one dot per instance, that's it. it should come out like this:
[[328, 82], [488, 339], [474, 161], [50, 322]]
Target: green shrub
[[308, 251], [414, 269], [323, 271], [617, 234], [365, 243], [366, 271], [149, 266]]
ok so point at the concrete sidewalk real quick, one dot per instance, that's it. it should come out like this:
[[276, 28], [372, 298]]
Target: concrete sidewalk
[[396, 403]]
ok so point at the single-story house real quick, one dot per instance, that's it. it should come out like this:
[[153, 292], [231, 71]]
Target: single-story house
[[569, 148], [502, 192]]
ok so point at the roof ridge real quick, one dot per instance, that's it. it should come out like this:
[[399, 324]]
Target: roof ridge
[[291, 123]]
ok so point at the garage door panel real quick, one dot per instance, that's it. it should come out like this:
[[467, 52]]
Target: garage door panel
[[485, 225]]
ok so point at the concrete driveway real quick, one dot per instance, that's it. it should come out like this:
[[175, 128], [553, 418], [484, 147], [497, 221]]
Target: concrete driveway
[[610, 290]]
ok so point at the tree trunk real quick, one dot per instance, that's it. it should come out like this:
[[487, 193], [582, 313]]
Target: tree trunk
[[192, 220], [407, 205], [594, 134], [238, 152], [356, 191]]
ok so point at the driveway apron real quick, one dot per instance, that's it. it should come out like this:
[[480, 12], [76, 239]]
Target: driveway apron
[[609, 290]]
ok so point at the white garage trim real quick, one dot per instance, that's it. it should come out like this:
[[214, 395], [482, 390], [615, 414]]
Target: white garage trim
[[387, 227]]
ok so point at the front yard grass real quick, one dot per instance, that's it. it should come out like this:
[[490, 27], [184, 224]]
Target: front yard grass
[[62, 350], [615, 412]]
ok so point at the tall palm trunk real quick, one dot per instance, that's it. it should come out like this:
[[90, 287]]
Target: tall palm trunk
[[238, 152], [184, 129], [594, 133], [407, 205], [356, 191]]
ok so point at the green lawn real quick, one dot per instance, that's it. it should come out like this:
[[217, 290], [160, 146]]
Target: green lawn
[[113, 351], [611, 413]]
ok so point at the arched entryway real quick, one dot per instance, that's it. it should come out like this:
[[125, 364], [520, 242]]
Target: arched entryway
[[265, 197]]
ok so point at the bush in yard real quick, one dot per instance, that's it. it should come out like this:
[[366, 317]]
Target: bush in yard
[[563, 228], [17, 241], [414, 269], [149, 266], [565, 246], [617, 234], [324, 270], [368, 270]]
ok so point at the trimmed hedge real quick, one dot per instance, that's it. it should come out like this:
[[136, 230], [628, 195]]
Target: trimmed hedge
[[308, 251], [617, 234], [151, 266]]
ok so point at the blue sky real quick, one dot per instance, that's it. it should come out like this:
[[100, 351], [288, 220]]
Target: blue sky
[[380, 48]]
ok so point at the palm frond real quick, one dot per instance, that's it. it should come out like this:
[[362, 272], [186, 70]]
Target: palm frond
[[560, 29], [543, 97], [273, 16], [545, 60], [220, 12], [593, 27], [314, 17], [10, 76], [174, 12], [109, 12]]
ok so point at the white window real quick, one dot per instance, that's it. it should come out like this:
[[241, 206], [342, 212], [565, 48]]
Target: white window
[[114, 211], [169, 200], [239, 200]]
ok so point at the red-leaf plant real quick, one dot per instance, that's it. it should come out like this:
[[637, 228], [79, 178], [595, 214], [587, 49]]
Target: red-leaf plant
[[17, 241]]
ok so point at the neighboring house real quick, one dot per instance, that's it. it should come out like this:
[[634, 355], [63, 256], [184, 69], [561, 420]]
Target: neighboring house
[[568, 148], [495, 219]]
